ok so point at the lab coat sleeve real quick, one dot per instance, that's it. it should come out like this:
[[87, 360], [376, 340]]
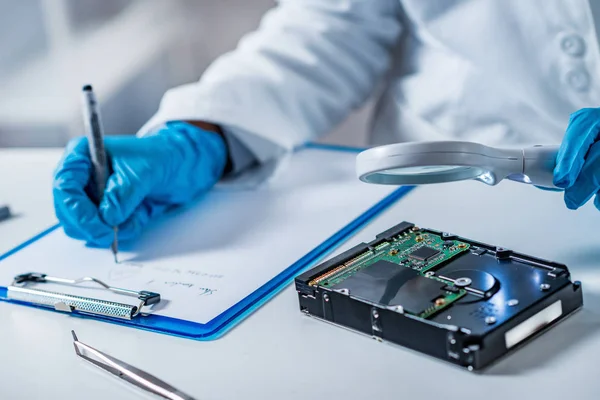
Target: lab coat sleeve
[[307, 66]]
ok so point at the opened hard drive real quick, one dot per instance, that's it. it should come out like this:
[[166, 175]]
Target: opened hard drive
[[453, 298]]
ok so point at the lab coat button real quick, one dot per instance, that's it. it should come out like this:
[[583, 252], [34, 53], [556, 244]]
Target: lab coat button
[[578, 79], [573, 45]]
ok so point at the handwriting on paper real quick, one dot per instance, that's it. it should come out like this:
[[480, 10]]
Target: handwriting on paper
[[202, 291], [124, 271], [127, 269], [204, 274], [191, 272]]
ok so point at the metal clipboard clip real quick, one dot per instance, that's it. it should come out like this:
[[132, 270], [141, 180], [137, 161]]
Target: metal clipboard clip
[[19, 291]]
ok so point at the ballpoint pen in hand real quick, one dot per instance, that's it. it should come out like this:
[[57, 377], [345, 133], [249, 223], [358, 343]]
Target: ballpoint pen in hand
[[98, 155]]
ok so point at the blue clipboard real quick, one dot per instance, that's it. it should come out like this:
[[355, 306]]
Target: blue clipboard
[[228, 319]]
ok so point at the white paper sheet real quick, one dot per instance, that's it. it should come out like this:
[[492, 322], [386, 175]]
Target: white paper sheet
[[205, 259]]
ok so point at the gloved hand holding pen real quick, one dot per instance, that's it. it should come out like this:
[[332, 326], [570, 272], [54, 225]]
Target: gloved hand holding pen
[[171, 167]]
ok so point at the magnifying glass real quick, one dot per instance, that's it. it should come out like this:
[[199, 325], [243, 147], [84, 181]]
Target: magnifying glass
[[419, 163]]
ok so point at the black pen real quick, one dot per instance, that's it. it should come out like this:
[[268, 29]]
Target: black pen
[[93, 125]]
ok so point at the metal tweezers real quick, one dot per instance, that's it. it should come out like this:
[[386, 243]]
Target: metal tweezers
[[129, 373]]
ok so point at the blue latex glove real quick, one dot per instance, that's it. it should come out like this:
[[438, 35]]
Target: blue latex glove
[[578, 162], [149, 175]]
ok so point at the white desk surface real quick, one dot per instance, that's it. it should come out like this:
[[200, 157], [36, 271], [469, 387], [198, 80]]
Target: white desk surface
[[277, 353]]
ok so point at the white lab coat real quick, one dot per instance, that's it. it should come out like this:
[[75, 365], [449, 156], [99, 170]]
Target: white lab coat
[[499, 72]]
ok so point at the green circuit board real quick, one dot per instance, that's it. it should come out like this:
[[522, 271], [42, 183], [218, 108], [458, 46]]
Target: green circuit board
[[417, 250], [447, 299]]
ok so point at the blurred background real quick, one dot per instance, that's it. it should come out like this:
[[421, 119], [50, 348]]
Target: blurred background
[[131, 51]]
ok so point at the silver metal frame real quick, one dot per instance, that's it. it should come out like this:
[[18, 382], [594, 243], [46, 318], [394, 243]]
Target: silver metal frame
[[68, 303]]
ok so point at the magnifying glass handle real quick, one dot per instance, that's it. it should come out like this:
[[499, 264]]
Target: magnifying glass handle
[[538, 165]]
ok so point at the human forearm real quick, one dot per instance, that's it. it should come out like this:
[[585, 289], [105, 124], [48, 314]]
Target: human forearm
[[306, 68]]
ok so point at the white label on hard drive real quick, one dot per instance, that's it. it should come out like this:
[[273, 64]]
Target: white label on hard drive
[[533, 324]]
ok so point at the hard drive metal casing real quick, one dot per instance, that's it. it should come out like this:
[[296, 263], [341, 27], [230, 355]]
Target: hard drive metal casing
[[532, 295]]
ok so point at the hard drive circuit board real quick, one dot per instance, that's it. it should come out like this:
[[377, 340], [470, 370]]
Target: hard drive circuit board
[[400, 272]]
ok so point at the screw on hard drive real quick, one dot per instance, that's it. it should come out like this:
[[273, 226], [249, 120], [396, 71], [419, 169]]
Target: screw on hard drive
[[398, 309], [544, 286], [375, 314], [490, 320], [512, 302], [462, 281], [326, 297]]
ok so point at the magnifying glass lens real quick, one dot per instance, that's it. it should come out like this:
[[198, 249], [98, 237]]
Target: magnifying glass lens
[[423, 174], [428, 169]]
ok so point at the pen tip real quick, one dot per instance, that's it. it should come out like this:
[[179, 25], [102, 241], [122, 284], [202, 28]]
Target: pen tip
[[115, 244], [74, 336]]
